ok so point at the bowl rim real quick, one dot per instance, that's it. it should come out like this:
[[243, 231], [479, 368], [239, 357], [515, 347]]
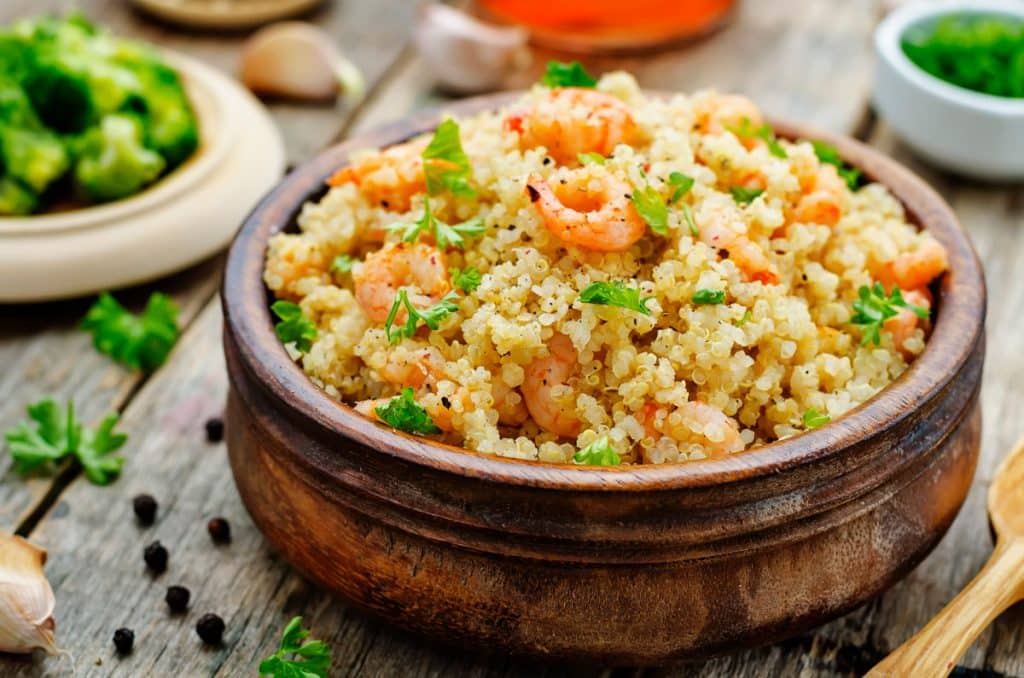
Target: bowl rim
[[215, 140], [247, 317], [888, 39]]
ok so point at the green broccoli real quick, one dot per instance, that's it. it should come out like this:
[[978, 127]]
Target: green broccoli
[[15, 199], [36, 157], [113, 163]]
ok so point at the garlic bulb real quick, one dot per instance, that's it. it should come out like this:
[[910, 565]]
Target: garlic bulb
[[295, 60], [26, 599], [465, 54]]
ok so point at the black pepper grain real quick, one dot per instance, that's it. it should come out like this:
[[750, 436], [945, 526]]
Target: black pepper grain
[[220, 530], [547, 160], [145, 506], [210, 628], [214, 430], [177, 598], [124, 640], [155, 556]]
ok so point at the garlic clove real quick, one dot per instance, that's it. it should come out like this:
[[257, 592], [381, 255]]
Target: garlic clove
[[26, 599], [295, 60], [465, 54]]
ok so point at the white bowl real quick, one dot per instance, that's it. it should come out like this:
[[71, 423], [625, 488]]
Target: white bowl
[[178, 221], [975, 134]]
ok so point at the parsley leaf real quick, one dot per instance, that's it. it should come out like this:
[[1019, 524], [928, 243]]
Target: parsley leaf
[[590, 158], [765, 133], [59, 435], [312, 658], [140, 342], [690, 222], [598, 453], [873, 308], [813, 419], [445, 164], [405, 414], [828, 154], [747, 315], [560, 74], [293, 327], [342, 264], [708, 297], [430, 316], [444, 235], [745, 195], [652, 208], [615, 294], [682, 185], [467, 280]]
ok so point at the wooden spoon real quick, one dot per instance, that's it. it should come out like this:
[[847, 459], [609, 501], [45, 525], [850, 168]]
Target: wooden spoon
[[935, 649]]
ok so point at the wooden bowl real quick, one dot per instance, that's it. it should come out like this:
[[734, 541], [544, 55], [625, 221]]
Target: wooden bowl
[[631, 565]]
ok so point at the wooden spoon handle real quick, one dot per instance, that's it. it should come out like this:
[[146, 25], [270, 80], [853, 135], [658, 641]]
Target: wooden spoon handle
[[935, 649]]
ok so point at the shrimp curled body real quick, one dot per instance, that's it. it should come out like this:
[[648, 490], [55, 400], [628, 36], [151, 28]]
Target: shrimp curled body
[[695, 422], [390, 178], [418, 267], [603, 220], [722, 234], [553, 414], [573, 121]]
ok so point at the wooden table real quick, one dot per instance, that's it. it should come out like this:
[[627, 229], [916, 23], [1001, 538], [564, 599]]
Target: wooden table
[[809, 60]]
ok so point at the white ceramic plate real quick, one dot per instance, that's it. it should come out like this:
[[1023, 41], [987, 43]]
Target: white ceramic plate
[[225, 13], [184, 218]]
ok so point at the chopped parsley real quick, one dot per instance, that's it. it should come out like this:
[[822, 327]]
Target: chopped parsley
[[445, 164], [572, 74], [295, 658], [58, 435], [405, 414], [615, 294], [430, 316], [690, 222], [747, 315], [342, 264], [813, 419], [746, 130], [598, 453], [445, 235], [590, 158], [650, 205], [140, 342], [681, 185], [745, 196], [873, 308], [708, 297], [828, 154], [467, 280], [293, 327]]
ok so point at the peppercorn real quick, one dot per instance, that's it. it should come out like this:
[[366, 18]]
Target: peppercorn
[[155, 556], [214, 430], [210, 628], [220, 530], [124, 640], [177, 598], [145, 509]]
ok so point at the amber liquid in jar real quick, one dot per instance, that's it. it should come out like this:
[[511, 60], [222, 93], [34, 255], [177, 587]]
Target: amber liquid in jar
[[611, 24]]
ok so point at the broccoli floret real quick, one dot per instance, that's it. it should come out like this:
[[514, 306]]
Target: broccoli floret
[[15, 108], [15, 199], [35, 157], [62, 99], [113, 162]]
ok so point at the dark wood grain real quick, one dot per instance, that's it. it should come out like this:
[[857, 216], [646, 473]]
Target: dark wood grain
[[545, 559]]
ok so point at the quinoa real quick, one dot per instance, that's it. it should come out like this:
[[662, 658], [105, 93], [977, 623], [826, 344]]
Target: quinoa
[[766, 356]]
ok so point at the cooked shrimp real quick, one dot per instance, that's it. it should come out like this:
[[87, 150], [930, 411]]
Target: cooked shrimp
[[717, 112], [824, 199], [418, 267], [915, 269], [572, 121], [902, 325], [722, 233], [552, 413], [389, 178], [694, 422], [592, 210]]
